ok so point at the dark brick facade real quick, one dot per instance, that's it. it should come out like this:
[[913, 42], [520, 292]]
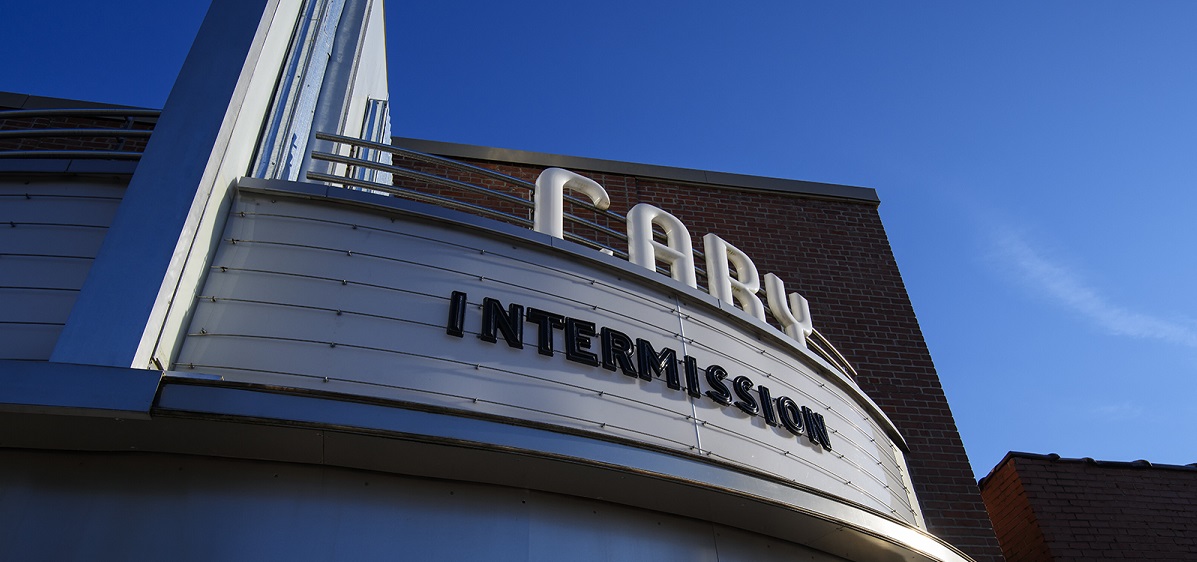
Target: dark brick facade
[[1045, 508], [836, 253]]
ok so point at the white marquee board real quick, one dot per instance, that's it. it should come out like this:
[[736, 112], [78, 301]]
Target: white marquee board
[[306, 294]]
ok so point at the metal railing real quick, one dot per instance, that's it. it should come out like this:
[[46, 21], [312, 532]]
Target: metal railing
[[101, 133], [457, 193]]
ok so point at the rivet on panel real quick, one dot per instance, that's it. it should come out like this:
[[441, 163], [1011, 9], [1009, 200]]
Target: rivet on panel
[[344, 281], [224, 269], [349, 252], [325, 379], [332, 344], [338, 313]]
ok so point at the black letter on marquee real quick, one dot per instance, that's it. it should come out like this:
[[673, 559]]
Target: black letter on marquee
[[648, 362], [457, 306], [767, 405], [577, 338], [510, 322], [545, 322], [743, 387], [617, 350], [790, 415], [692, 377], [816, 431], [718, 391]]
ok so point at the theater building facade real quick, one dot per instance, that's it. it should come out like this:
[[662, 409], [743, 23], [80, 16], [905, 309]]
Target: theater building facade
[[253, 325]]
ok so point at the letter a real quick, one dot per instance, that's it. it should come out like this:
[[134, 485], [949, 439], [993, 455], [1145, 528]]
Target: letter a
[[719, 282], [677, 251]]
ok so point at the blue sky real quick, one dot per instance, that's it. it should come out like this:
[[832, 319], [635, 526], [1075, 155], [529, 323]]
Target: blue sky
[[1036, 161]]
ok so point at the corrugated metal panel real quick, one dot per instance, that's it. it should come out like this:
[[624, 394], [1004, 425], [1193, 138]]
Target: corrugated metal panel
[[50, 232]]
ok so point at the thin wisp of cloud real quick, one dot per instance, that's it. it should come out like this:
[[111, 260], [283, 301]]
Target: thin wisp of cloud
[[1066, 288]]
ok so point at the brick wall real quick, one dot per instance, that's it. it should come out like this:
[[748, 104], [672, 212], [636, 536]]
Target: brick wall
[[1048, 508], [114, 142], [1013, 519], [836, 253]]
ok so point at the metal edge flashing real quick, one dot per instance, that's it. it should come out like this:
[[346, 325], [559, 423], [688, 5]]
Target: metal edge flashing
[[458, 219], [60, 166], [17, 100], [685, 175], [81, 390], [381, 435]]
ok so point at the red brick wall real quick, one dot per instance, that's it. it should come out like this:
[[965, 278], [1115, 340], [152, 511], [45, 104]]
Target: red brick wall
[[1012, 516], [106, 143], [70, 142], [836, 253], [1092, 510]]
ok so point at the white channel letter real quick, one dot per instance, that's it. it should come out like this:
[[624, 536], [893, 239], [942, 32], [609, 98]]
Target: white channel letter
[[549, 194], [677, 251], [719, 282], [794, 318]]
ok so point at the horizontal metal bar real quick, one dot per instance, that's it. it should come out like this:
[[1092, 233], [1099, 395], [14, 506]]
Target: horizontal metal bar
[[422, 176], [31, 133], [75, 112], [413, 174], [417, 196], [427, 158], [72, 154], [831, 354], [461, 166]]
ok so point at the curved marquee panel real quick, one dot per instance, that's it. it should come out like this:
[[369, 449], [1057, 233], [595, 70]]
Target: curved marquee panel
[[512, 325]]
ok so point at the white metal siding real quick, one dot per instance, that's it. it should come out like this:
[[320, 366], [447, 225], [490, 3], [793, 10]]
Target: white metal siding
[[50, 231]]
